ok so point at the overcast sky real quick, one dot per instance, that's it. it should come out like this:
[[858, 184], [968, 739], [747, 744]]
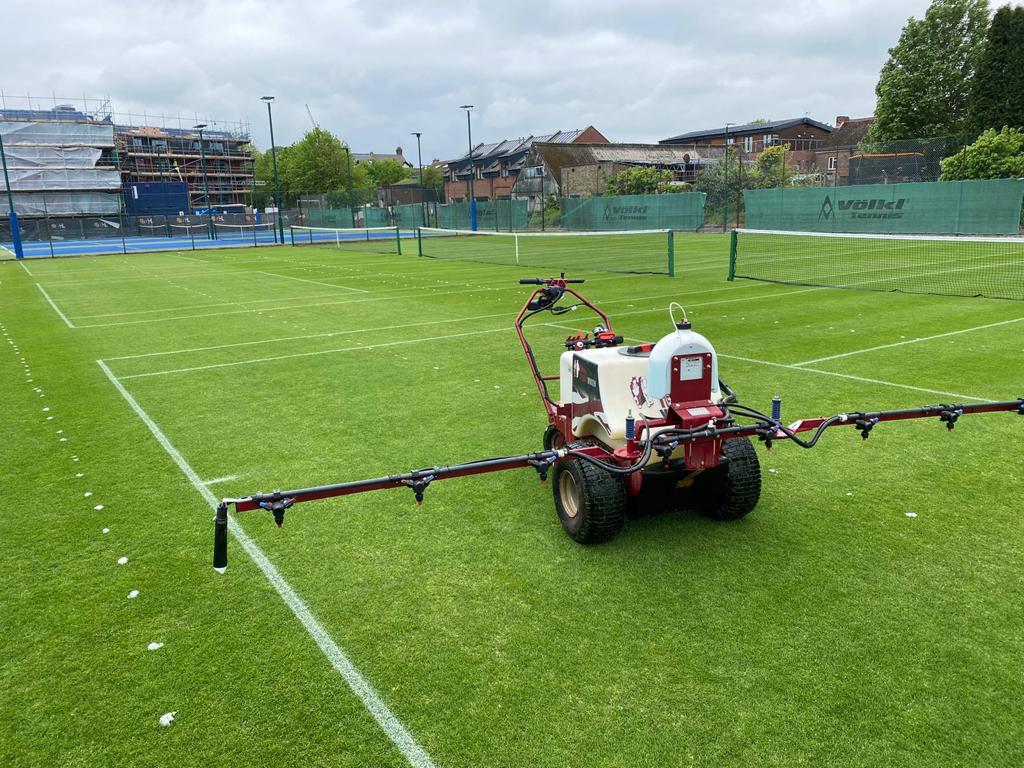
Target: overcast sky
[[372, 72]]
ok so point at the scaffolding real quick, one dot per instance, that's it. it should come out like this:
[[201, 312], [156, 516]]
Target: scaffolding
[[54, 139]]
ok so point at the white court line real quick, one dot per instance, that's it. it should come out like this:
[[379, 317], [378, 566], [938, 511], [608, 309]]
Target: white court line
[[367, 348], [189, 258], [216, 480], [314, 282], [55, 307], [856, 378], [910, 341], [9, 250], [386, 719], [22, 262], [328, 334]]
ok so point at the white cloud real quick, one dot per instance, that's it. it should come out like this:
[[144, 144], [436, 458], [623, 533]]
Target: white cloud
[[372, 72]]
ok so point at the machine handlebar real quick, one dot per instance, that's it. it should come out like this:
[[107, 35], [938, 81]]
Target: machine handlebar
[[548, 280]]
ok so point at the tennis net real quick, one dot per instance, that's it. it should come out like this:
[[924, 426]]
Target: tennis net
[[245, 233], [356, 240], [640, 251], [952, 266]]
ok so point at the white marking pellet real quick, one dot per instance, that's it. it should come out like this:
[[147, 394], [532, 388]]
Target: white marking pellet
[[849, 493], [49, 418], [87, 494], [154, 646], [133, 594], [911, 514], [63, 439], [47, 408], [122, 560], [106, 530], [98, 507], [773, 470], [168, 718]]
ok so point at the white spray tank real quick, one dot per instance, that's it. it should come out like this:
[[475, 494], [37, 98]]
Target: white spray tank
[[682, 341]]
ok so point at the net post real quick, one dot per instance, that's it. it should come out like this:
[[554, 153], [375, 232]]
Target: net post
[[398, 239], [419, 241], [671, 254], [732, 255], [291, 233]]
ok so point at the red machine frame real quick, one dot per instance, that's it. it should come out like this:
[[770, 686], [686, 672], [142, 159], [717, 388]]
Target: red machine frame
[[701, 438]]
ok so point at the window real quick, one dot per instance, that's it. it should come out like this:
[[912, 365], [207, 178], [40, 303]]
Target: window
[[748, 143], [832, 163], [479, 173], [731, 140], [504, 171]]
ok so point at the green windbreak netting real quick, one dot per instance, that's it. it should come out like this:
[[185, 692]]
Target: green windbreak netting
[[496, 215], [947, 265], [680, 211], [409, 216], [991, 207], [376, 217], [329, 217]]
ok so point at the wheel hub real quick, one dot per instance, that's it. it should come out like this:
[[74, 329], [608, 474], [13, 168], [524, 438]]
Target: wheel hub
[[569, 493]]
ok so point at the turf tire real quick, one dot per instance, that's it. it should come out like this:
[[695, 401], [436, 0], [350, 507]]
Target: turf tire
[[590, 501], [731, 491], [553, 438]]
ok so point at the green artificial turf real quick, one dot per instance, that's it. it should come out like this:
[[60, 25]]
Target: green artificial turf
[[827, 628]]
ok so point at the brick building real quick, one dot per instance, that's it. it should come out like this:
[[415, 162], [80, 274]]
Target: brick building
[[497, 169], [832, 158], [803, 135]]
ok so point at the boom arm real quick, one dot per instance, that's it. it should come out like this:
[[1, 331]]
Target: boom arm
[[663, 442]]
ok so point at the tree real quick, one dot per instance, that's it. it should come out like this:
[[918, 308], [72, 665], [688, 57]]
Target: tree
[[997, 95], [384, 173], [316, 164], [263, 172], [771, 169], [640, 180], [924, 87], [433, 181], [712, 182], [992, 156]]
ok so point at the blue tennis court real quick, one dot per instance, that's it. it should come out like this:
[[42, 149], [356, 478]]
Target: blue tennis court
[[227, 236]]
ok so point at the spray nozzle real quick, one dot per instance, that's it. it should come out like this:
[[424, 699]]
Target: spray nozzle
[[682, 325]]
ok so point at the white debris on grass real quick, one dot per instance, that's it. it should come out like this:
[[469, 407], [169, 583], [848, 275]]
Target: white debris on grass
[[79, 474], [911, 514], [168, 718], [497, 386], [122, 560], [98, 507], [773, 470], [106, 530], [87, 494], [133, 594], [154, 646], [849, 493], [46, 409]]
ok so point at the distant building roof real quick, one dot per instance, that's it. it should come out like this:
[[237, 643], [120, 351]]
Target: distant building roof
[[848, 132], [771, 125], [510, 147], [558, 156], [367, 157]]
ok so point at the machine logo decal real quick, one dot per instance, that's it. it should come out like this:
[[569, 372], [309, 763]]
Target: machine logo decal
[[636, 388]]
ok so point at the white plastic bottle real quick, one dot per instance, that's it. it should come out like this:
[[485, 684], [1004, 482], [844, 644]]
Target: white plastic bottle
[[682, 341]]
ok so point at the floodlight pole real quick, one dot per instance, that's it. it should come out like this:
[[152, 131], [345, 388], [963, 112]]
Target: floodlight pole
[[279, 229], [725, 213], [419, 154], [351, 192], [206, 181], [472, 170], [19, 251]]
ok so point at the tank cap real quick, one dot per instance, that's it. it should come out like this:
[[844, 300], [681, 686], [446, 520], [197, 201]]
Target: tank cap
[[682, 325]]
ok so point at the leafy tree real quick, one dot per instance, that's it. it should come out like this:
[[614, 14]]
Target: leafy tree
[[433, 180], [997, 96], [771, 169], [263, 171], [640, 180], [317, 163], [712, 181], [924, 87], [759, 121], [384, 173], [992, 156]]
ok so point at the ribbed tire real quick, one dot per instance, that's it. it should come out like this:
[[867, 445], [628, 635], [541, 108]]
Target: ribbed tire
[[590, 501], [553, 438], [732, 491]]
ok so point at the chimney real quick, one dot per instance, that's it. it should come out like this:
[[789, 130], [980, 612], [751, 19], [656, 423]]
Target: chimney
[[840, 119]]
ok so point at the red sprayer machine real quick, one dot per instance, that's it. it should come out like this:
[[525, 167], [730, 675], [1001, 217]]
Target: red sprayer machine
[[635, 428]]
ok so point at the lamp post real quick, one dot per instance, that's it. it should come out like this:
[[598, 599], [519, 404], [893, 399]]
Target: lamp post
[[206, 182], [472, 170], [279, 229], [419, 155], [725, 213], [19, 251], [351, 192]]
